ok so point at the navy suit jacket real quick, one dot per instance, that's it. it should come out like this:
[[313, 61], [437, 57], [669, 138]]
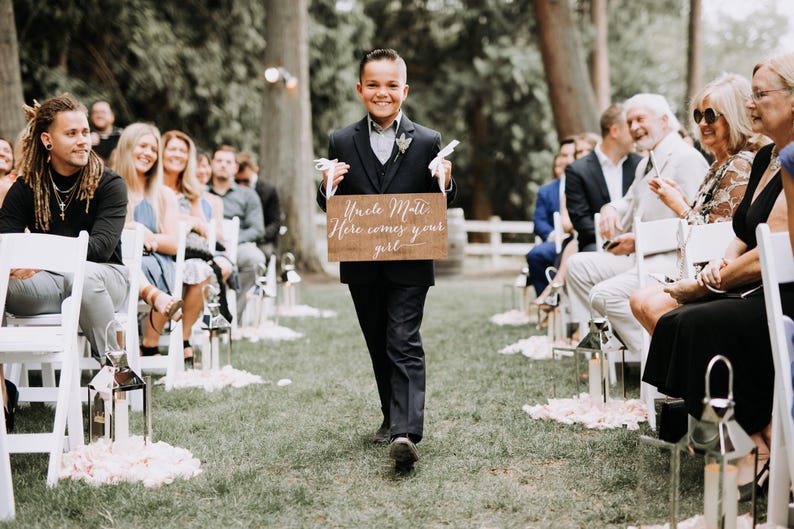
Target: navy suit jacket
[[586, 192], [407, 174], [546, 205]]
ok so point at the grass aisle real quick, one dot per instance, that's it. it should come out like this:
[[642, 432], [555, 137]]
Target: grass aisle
[[300, 456]]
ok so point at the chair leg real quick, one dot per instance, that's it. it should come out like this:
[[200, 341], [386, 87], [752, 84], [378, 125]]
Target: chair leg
[[62, 408], [7, 512], [75, 413]]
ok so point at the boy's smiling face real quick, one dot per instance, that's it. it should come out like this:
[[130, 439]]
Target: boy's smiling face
[[382, 89]]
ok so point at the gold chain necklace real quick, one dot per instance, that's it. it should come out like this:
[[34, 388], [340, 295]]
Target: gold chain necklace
[[68, 195]]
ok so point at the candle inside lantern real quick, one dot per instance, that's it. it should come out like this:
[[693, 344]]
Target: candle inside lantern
[[215, 350], [121, 420], [594, 375], [711, 490]]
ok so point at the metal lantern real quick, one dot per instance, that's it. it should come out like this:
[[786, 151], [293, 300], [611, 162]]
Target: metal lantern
[[720, 441], [600, 342], [219, 328], [108, 406], [519, 286], [265, 290], [290, 279]]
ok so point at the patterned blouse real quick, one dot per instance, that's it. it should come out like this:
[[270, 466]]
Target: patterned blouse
[[722, 189]]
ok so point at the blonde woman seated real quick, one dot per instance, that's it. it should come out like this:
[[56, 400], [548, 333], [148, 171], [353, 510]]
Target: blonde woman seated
[[726, 133], [138, 161], [195, 206]]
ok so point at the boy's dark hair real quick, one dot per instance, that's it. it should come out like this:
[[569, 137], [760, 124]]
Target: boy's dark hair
[[380, 54]]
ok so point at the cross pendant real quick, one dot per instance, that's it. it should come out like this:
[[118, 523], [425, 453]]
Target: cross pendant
[[62, 205]]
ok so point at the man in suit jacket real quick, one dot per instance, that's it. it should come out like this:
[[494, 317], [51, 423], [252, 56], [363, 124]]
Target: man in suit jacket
[[387, 153], [602, 176], [602, 282]]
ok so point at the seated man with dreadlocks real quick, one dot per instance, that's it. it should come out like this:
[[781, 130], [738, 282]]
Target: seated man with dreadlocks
[[63, 188]]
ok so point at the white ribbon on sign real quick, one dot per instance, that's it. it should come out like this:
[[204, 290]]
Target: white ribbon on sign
[[327, 167], [436, 169]]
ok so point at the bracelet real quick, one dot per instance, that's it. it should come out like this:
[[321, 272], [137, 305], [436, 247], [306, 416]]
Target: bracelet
[[715, 290], [685, 213]]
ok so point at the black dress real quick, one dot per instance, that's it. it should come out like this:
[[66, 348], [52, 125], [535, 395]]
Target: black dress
[[688, 337]]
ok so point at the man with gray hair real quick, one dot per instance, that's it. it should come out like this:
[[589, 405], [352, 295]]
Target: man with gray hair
[[600, 283]]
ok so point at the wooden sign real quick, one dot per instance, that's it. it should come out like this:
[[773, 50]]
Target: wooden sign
[[387, 227]]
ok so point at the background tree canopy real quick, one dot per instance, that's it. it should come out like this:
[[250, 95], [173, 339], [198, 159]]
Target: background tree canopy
[[474, 69]]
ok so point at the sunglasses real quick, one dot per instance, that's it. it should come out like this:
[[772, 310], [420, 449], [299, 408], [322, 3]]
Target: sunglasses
[[709, 114]]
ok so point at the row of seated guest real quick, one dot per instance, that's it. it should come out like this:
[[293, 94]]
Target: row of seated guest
[[601, 282], [551, 199], [142, 158], [594, 179], [707, 322]]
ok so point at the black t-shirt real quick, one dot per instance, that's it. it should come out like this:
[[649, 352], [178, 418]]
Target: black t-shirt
[[103, 221]]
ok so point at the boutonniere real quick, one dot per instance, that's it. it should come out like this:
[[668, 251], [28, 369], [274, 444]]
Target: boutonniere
[[402, 144]]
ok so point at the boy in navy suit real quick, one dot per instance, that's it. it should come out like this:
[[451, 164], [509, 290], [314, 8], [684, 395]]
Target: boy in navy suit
[[389, 296]]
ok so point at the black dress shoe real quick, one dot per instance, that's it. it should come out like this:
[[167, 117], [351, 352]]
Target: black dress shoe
[[382, 435], [404, 453]]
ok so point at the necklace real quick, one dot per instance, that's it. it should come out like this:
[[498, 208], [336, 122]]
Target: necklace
[[774, 161], [64, 198]]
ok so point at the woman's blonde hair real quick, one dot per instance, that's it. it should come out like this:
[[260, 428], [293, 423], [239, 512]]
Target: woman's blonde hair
[[124, 164], [186, 182], [727, 95]]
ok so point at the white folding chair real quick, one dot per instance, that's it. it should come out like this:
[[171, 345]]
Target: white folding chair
[[650, 238], [599, 241], [777, 267], [49, 344], [173, 362], [231, 238], [703, 242]]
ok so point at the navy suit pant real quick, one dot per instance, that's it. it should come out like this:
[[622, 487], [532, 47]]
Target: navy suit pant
[[390, 316], [540, 257]]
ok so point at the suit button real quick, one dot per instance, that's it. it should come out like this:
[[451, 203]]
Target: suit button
[[383, 173]]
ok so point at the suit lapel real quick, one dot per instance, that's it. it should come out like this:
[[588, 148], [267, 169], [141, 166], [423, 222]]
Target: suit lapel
[[629, 172], [364, 150], [598, 174], [407, 128]]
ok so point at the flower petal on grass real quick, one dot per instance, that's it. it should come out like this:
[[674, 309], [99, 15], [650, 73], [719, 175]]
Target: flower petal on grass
[[105, 463], [594, 415]]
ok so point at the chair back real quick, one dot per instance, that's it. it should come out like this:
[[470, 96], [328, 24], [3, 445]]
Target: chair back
[[231, 237], [777, 267], [599, 241], [41, 251], [653, 237], [559, 232], [701, 243]]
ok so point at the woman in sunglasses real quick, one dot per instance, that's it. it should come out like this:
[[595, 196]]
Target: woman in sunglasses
[[726, 134], [722, 310]]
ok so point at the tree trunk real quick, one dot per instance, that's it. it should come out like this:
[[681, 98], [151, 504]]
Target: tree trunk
[[480, 197], [570, 92], [599, 67], [693, 77], [286, 151], [12, 118]]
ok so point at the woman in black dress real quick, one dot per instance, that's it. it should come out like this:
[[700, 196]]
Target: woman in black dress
[[709, 322]]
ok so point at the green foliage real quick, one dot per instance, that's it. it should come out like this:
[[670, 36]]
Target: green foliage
[[337, 39], [474, 69], [191, 65]]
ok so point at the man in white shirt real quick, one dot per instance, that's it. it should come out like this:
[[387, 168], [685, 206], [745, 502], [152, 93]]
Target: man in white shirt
[[600, 283]]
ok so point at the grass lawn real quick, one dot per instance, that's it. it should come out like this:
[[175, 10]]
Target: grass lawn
[[300, 456]]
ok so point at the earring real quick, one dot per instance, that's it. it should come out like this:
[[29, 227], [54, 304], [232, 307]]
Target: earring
[[48, 146]]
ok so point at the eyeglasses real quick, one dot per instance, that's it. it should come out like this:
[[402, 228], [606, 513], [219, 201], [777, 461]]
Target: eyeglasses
[[757, 96], [709, 114]]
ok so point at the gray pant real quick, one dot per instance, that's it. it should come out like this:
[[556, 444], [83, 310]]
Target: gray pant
[[599, 283], [248, 259], [104, 291]]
